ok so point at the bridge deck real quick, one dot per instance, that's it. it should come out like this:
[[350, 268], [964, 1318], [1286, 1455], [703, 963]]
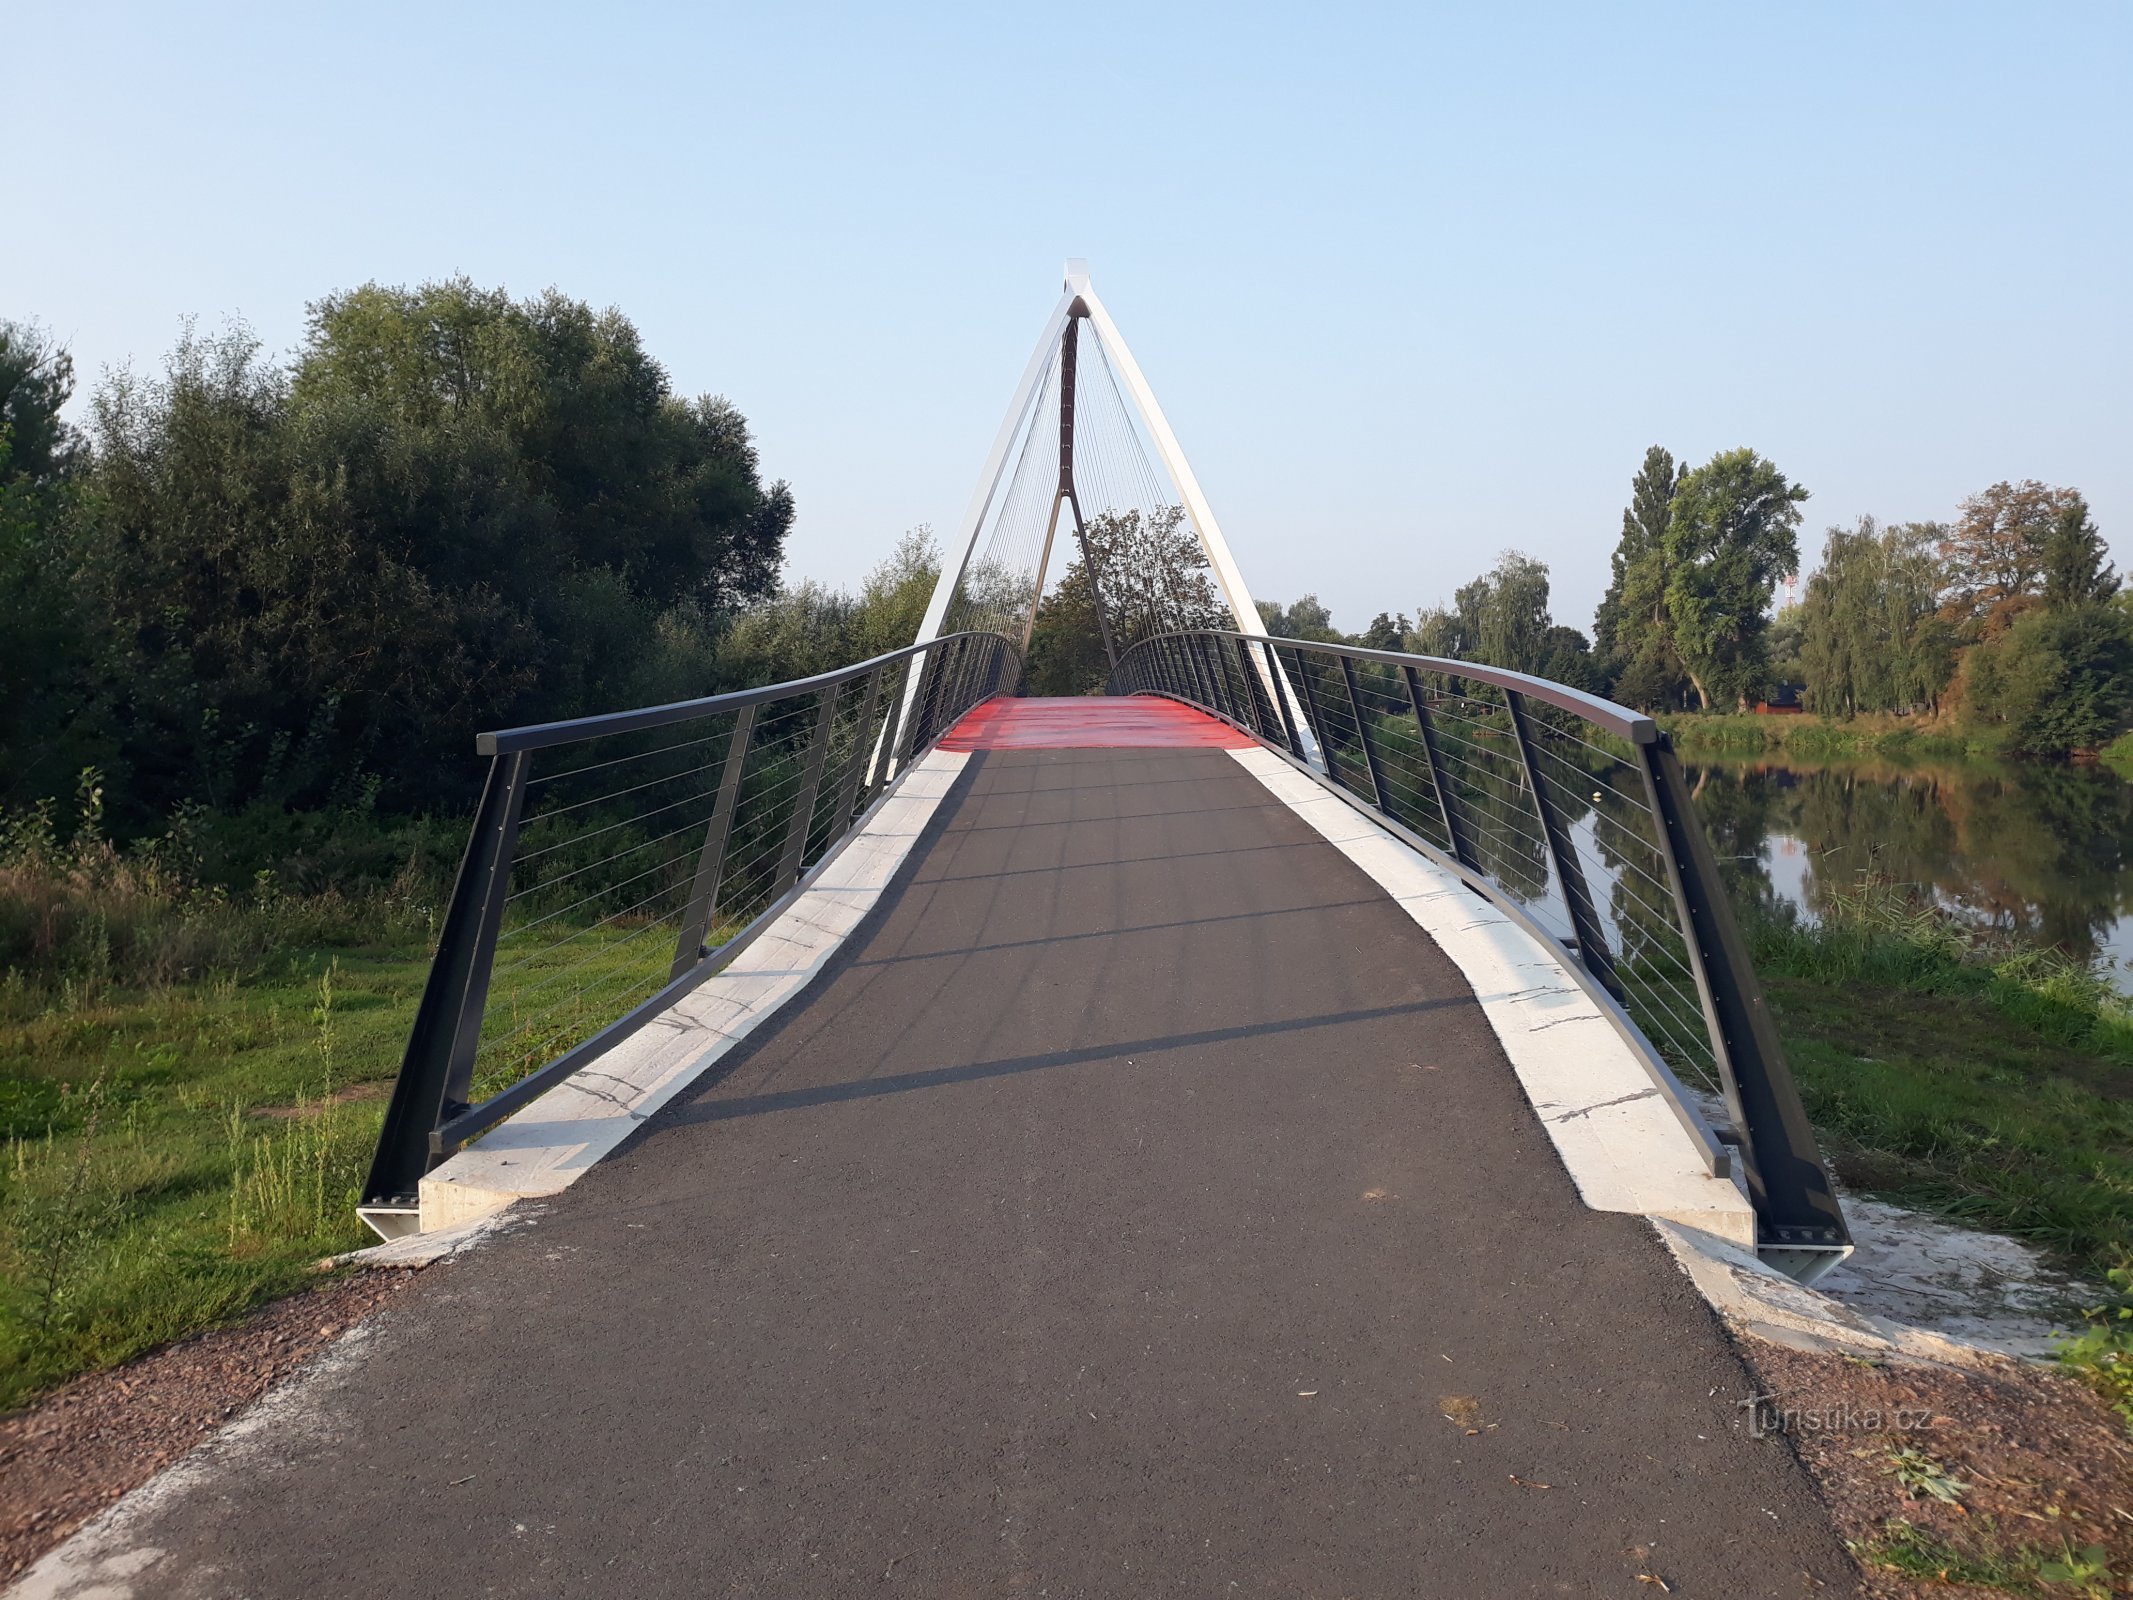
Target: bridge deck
[[1125, 1211]]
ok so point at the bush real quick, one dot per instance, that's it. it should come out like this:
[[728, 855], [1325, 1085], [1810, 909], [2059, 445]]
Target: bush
[[2057, 681]]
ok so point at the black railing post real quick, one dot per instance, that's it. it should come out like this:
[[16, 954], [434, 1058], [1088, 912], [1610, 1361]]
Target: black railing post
[[1210, 684], [1262, 720], [1462, 847], [1225, 660], [1288, 717], [1218, 659], [1362, 737], [1195, 690], [1316, 718], [966, 683], [437, 1070], [1794, 1205], [929, 693], [1562, 850], [702, 904], [803, 806]]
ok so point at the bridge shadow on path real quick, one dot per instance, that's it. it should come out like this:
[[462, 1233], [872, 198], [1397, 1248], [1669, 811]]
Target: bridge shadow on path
[[1140, 1203]]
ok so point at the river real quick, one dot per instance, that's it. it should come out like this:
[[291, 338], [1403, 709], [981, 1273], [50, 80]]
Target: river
[[2044, 851]]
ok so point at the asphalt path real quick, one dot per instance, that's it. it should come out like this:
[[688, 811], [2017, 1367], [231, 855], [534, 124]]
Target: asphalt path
[[1140, 1204]]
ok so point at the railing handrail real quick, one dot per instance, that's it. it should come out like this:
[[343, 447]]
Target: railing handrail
[[1634, 726], [543, 735]]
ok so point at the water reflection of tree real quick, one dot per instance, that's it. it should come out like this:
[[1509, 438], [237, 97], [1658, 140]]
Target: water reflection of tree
[[2037, 852]]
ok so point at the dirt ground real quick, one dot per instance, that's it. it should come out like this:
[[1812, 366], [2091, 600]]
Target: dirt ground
[[2007, 1479], [67, 1457]]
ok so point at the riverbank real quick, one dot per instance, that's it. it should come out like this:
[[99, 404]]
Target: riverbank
[[2118, 756], [1826, 738], [1999, 1090]]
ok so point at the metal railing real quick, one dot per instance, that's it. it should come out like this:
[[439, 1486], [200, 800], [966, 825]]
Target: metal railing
[[1571, 814], [618, 861]]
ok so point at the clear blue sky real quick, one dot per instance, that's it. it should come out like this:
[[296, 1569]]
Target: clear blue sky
[[1414, 284]]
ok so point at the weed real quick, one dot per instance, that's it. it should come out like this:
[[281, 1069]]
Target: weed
[[1922, 1477], [1916, 1553], [2103, 1352], [2086, 1571]]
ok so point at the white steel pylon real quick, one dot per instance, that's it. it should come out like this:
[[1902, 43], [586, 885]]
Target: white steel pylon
[[1078, 299]]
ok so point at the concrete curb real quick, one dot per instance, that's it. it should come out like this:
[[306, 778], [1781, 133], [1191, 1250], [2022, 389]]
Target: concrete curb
[[1624, 1147], [552, 1143], [1760, 1302]]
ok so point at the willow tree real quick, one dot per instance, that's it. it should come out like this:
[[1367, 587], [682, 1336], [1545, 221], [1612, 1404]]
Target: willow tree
[[1872, 638]]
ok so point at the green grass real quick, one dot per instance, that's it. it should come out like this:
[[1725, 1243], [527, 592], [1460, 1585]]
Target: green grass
[[1824, 738], [176, 1155], [1988, 1084], [2118, 756], [192, 1075]]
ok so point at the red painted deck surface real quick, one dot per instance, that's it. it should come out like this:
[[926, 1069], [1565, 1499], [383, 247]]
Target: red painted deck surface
[[1091, 722]]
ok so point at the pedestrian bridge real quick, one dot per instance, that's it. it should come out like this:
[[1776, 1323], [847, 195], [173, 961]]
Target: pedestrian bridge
[[1197, 1138]]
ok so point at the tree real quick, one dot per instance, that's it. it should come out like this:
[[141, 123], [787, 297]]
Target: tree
[[893, 599], [43, 642], [1501, 619], [1731, 532], [1387, 631], [1871, 637], [1153, 573], [2075, 569], [1505, 613], [1066, 649], [1644, 524], [1632, 630], [1306, 619], [1439, 632], [2056, 681], [1567, 658], [1995, 553], [454, 510]]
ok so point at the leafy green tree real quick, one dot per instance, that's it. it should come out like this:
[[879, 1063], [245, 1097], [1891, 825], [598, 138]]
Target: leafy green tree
[[1066, 650], [2077, 571], [2056, 681], [1633, 606], [1567, 658], [1440, 631], [808, 627], [892, 600], [1505, 613], [1731, 532], [45, 641], [1387, 631], [1502, 619], [1154, 574], [1871, 636], [454, 510], [1305, 619]]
